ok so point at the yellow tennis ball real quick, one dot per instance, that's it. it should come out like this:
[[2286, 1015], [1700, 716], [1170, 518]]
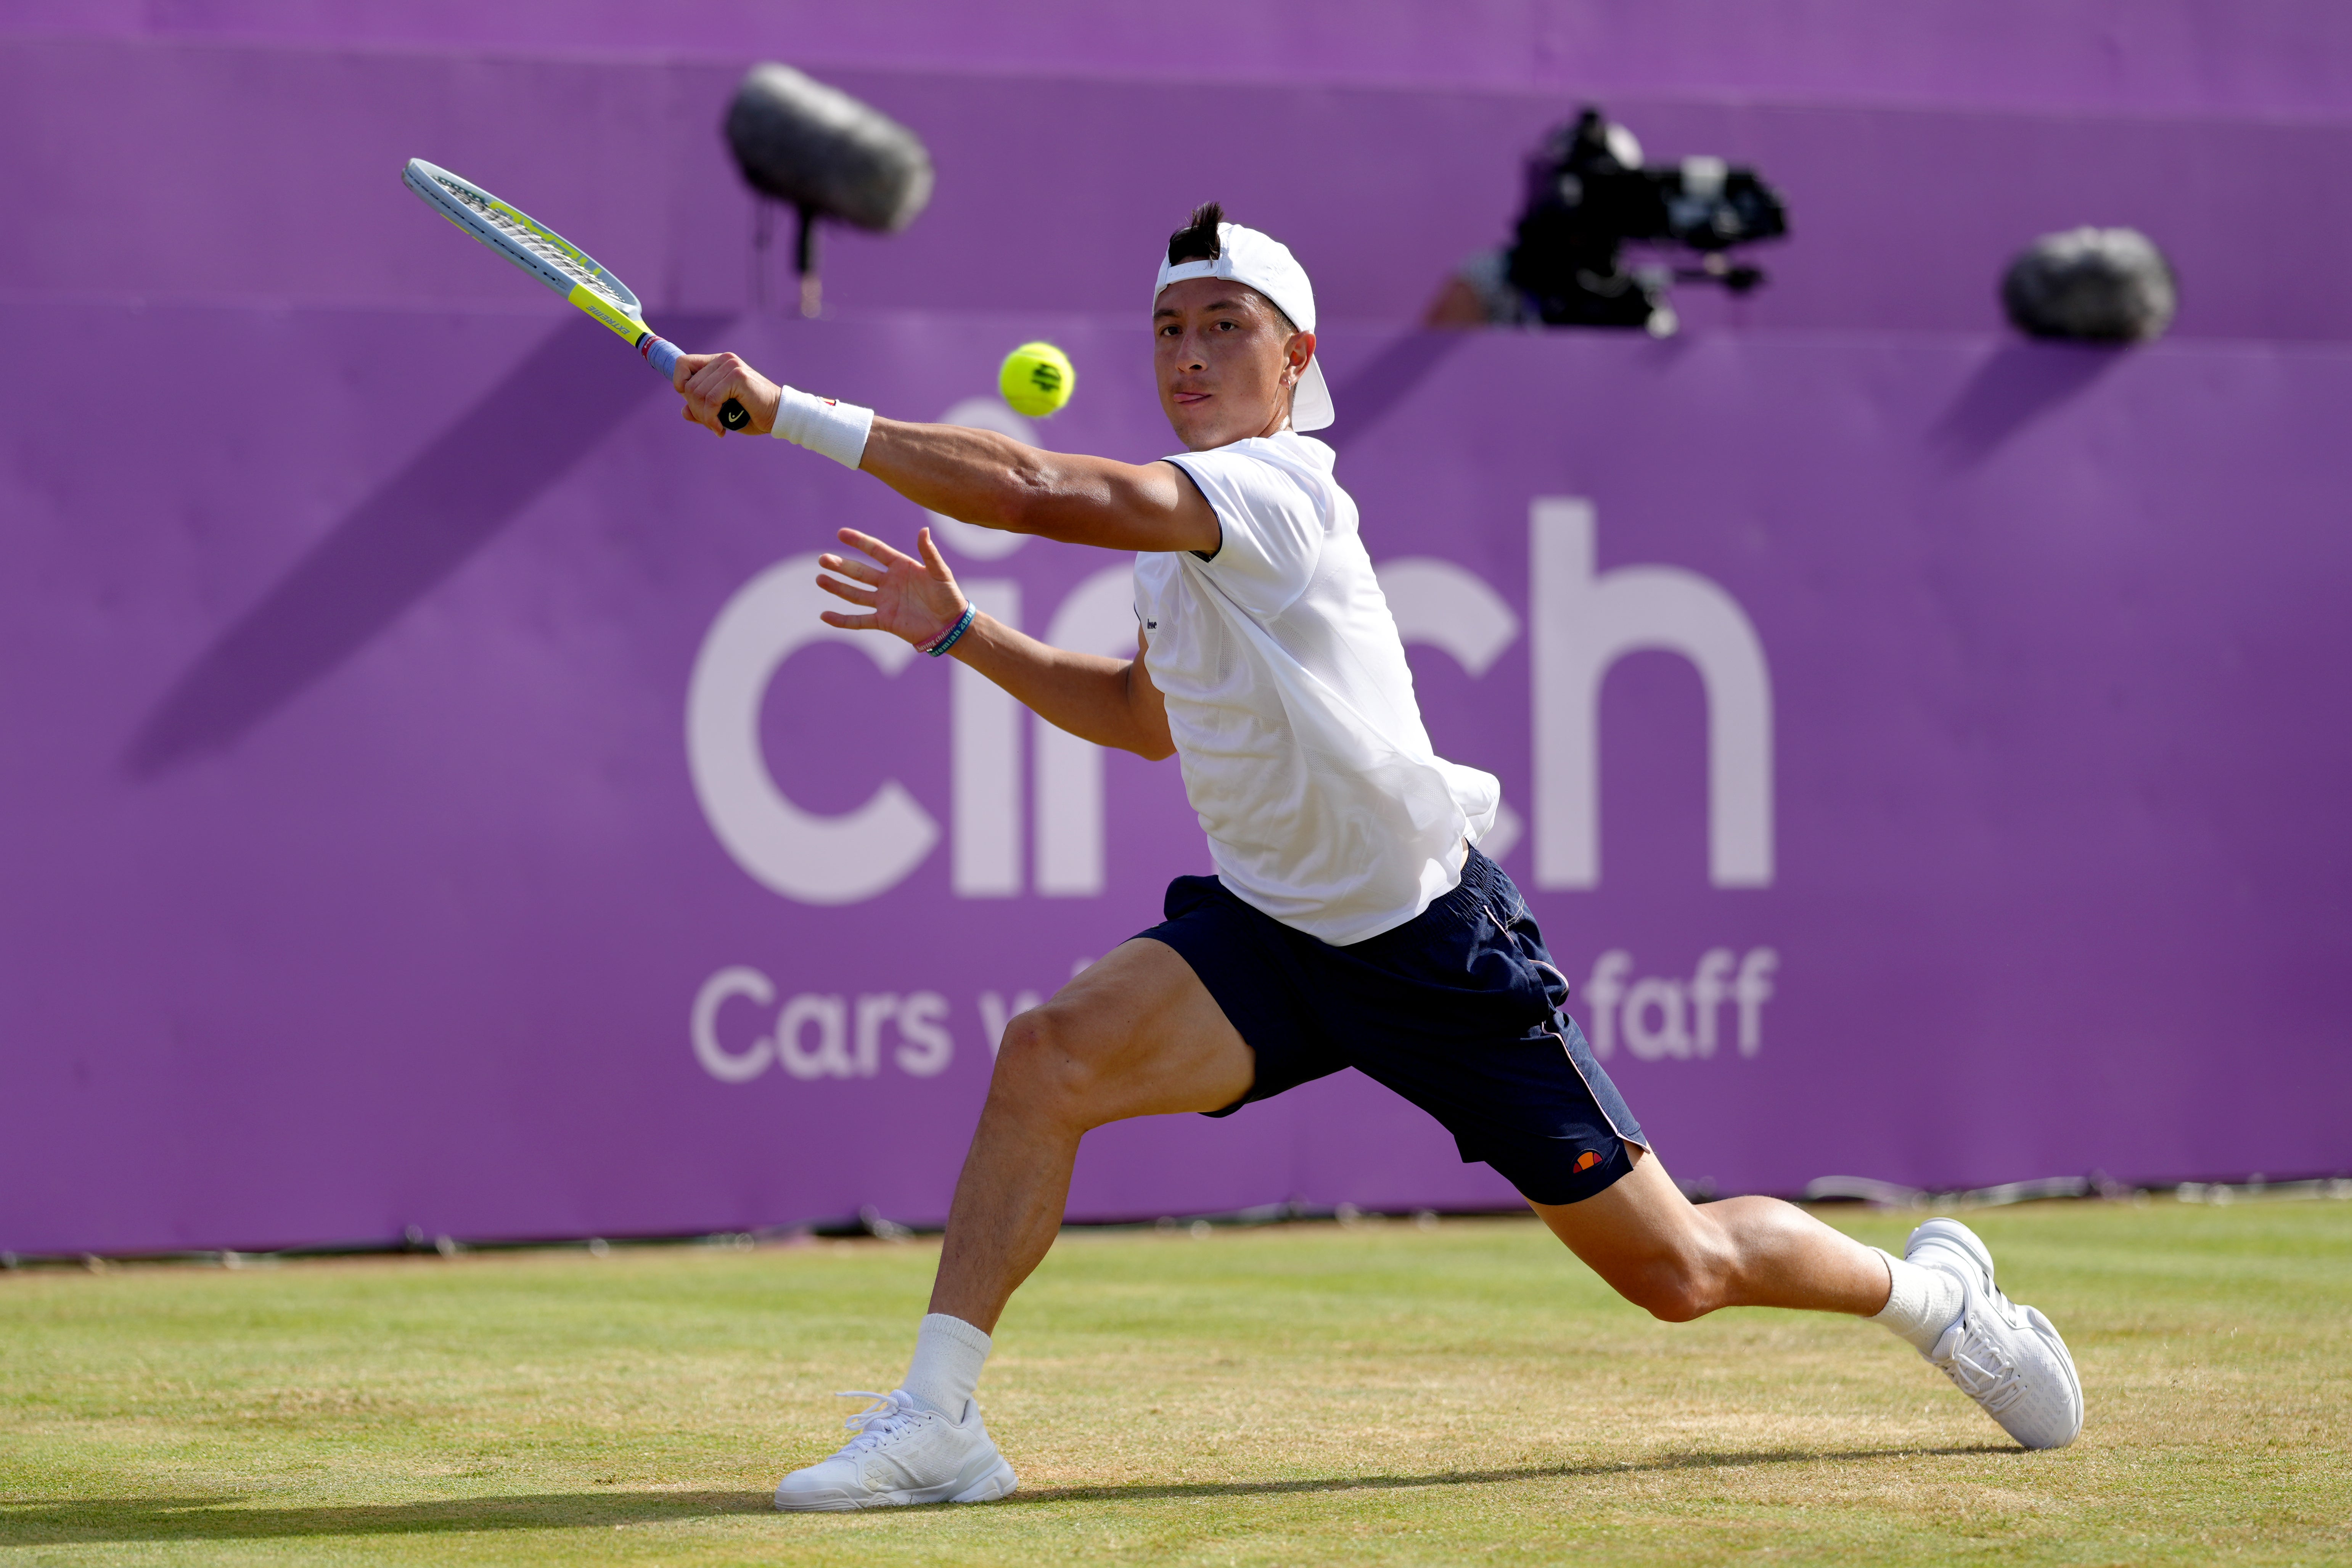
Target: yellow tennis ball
[[1036, 378]]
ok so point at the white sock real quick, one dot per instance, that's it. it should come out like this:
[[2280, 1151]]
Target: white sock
[[1922, 1303], [949, 1354]]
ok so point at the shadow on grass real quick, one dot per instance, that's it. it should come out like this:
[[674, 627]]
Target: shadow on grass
[[1701, 1462], [220, 1518]]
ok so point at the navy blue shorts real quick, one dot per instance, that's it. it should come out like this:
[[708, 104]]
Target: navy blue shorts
[[1458, 1010]]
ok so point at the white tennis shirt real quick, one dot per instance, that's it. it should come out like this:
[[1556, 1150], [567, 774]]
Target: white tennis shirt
[[1292, 707]]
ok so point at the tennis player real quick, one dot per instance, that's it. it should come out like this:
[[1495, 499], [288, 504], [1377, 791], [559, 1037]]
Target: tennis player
[[1351, 922]]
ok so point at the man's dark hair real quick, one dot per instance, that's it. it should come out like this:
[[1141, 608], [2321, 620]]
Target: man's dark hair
[[1198, 240]]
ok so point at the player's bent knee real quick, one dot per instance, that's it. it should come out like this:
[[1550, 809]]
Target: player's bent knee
[[1669, 1300], [1673, 1285], [1039, 1069]]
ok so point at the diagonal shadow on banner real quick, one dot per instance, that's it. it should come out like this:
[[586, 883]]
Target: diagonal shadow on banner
[[2018, 385], [401, 542], [1370, 393]]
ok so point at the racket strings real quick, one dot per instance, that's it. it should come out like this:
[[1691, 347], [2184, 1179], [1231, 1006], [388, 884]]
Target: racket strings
[[541, 245]]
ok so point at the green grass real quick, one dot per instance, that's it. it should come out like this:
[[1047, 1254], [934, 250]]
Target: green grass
[[1301, 1394]]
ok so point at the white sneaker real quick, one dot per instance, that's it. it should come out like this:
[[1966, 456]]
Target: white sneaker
[[905, 1452], [2006, 1357]]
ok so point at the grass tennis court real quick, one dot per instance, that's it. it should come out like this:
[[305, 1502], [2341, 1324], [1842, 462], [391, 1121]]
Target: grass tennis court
[[1297, 1394]]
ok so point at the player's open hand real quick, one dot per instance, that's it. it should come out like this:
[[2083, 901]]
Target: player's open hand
[[911, 598], [707, 380]]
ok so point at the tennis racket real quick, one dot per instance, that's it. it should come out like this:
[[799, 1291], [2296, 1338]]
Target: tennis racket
[[555, 261]]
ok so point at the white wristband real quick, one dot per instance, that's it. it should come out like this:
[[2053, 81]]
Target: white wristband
[[824, 425]]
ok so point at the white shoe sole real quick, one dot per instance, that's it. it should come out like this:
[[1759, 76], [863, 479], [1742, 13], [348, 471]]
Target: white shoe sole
[[998, 1481], [2048, 1332]]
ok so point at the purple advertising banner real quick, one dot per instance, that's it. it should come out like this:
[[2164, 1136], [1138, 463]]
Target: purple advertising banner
[[2270, 59], [431, 800], [1054, 191]]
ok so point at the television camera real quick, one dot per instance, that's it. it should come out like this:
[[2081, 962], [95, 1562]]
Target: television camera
[[1589, 194]]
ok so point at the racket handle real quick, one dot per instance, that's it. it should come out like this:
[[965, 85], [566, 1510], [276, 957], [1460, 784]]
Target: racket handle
[[662, 355]]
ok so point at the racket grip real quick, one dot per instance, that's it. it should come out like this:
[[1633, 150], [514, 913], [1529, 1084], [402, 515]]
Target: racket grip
[[662, 355]]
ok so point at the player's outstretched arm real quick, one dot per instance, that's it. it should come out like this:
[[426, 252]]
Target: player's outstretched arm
[[986, 478], [1110, 702], [980, 476]]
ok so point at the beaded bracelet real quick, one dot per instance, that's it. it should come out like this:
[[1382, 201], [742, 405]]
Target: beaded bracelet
[[948, 639]]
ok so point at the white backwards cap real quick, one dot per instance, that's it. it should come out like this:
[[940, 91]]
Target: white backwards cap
[[1265, 263]]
